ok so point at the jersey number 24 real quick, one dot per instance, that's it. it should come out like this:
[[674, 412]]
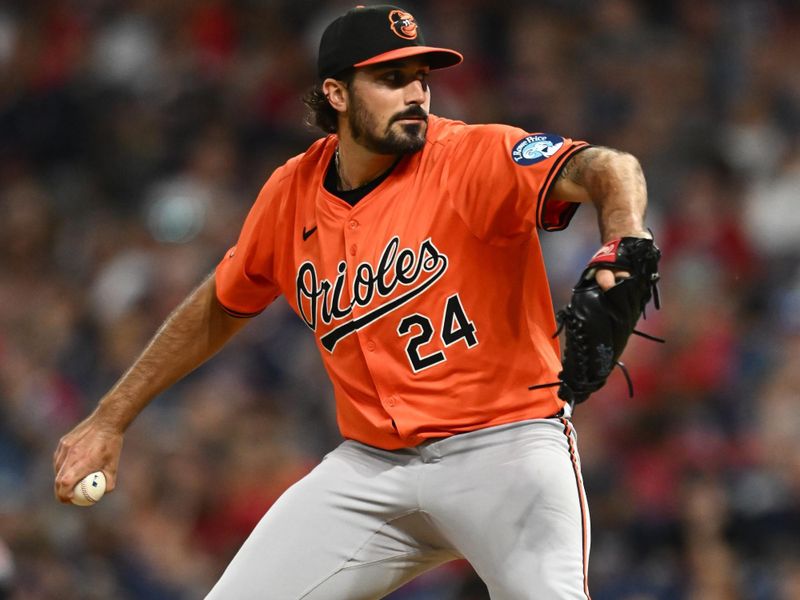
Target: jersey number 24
[[455, 326]]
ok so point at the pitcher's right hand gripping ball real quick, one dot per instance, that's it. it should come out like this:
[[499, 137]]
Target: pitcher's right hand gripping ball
[[598, 324]]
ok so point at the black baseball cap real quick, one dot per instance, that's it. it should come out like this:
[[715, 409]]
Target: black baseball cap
[[366, 35]]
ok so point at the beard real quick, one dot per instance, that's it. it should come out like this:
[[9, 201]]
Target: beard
[[405, 139]]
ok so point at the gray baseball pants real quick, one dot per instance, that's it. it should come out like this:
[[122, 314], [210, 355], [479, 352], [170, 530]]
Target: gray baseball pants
[[365, 521]]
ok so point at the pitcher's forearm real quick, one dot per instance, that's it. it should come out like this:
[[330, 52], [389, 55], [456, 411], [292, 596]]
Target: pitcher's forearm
[[621, 196], [191, 334], [614, 182]]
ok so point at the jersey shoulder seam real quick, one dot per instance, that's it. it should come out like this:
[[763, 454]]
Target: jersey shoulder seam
[[464, 131], [292, 167]]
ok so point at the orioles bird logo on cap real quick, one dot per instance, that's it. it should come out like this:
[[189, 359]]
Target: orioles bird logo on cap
[[403, 24]]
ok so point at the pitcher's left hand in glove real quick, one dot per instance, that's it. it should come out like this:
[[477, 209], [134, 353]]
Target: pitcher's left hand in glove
[[598, 323]]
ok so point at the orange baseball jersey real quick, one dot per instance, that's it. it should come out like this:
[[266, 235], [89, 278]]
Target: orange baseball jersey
[[428, 299]]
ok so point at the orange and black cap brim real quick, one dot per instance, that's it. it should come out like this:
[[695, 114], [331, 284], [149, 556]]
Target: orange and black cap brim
[[437, 58]]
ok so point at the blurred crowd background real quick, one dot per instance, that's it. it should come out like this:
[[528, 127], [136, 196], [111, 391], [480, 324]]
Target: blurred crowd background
[[134, 134]]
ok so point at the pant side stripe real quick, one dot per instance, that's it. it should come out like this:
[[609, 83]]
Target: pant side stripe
[[582, 497]]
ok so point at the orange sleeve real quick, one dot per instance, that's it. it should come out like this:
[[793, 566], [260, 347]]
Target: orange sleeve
[[244, 277], [500, 176]]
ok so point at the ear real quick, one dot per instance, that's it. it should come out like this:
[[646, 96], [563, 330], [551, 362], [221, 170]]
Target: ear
[[337, 94]]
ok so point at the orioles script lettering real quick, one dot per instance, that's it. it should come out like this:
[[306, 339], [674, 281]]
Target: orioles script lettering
[[328, 301]]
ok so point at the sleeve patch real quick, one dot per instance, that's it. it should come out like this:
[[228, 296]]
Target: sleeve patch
[[535, 148]]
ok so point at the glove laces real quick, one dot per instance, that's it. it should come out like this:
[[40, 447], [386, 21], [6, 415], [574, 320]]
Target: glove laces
[[566, 317]]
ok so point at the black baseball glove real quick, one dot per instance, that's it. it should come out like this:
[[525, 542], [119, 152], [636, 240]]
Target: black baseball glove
[[598, 323]]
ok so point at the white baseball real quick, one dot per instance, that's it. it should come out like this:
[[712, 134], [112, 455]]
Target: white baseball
[[89, 489]]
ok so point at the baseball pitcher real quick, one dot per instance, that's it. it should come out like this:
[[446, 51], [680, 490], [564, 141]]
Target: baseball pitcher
[[408, 245]]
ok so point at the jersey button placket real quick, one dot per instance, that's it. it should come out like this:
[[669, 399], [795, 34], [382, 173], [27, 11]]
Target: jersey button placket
[[350, 231], [350, 240], [350, 257]]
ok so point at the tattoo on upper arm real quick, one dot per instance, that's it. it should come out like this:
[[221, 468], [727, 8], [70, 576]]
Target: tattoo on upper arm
[[576, 168], [614, 182]]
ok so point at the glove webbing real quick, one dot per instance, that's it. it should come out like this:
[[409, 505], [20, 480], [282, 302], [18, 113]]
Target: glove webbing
[[566, 314]]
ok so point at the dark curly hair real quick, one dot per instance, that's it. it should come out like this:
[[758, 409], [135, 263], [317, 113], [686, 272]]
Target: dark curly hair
[[319, 112]]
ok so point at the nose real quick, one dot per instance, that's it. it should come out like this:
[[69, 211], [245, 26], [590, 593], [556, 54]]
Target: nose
[[416, 92]]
